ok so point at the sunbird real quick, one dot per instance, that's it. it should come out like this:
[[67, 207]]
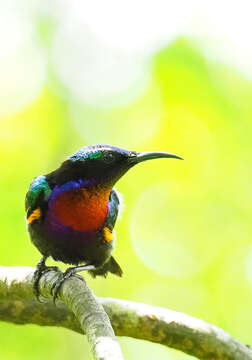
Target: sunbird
[[71, 212]]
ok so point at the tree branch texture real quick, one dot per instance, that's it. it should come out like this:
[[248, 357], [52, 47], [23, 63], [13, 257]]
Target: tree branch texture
[[82, 312], [78, 298]]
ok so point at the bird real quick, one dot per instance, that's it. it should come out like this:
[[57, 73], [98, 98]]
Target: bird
[[71, 212]]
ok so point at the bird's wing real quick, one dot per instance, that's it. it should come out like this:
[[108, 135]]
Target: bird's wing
[[115, 203], [36, 199], [114, 207]]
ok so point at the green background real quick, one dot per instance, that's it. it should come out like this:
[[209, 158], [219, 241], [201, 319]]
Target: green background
[[184, 240]]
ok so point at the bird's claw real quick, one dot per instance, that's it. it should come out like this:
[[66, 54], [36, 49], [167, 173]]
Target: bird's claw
[[55, 289], [39, 272]]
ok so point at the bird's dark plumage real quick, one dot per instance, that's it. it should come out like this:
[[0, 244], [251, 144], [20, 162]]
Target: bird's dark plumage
[[72, 211]]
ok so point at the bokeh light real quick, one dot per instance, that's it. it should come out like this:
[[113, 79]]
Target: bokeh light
[[140, 119], [223, 30], [23, 64], [171, 236], [108, 76]]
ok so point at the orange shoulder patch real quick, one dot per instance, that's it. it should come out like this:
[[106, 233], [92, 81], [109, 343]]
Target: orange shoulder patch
[[35, 215], [108, 235]]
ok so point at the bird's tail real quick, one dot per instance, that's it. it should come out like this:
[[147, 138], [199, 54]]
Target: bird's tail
[[110, 266]]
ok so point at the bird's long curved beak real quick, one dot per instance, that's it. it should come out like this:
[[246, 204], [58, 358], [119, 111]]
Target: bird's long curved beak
[[150, 155]]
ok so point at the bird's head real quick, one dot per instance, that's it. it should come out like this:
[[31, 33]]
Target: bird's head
[[104, 164]]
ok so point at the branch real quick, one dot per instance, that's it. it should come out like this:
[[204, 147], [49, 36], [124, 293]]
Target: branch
[[75, 294], [190, 335]]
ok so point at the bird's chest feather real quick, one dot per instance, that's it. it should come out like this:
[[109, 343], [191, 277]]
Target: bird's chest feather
[[83, 209]]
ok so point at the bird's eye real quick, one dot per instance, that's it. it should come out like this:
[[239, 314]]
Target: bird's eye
[[108, 158]]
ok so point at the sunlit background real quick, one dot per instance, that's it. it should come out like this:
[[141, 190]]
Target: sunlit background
[[144, 75]]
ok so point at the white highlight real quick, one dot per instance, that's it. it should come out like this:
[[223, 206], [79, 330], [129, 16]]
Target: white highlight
[[22, 61], [223, 30], [101, 50]]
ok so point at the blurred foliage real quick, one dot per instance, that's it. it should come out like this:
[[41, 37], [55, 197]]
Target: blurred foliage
[[184, 241]]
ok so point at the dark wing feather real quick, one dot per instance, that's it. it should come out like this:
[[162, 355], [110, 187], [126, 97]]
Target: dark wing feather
[[111, 265], [114, 204]]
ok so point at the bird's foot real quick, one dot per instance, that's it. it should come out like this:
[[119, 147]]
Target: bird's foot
[[41, 269], [66, 275]]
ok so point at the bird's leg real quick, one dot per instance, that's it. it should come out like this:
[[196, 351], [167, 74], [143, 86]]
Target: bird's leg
[[41, 269], [66, 275]]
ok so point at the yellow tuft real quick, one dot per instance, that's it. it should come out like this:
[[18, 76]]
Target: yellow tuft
[[35, 215], [108, 235]]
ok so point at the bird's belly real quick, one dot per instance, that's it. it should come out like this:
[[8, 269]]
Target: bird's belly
[[71, 246]]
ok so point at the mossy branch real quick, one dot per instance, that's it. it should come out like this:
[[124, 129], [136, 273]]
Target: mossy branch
[[81, 311], [75, 294]]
